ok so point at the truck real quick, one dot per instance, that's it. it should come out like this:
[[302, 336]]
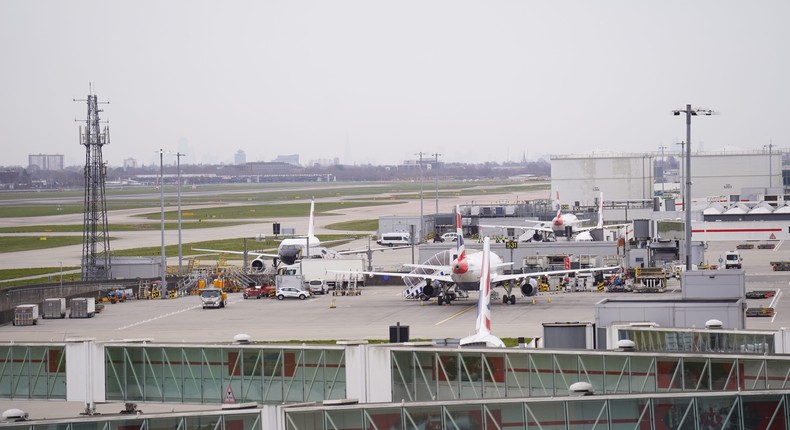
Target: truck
[[325, 268], [213, 298], [54, 308], [26, 315], [733, 260], [82, 307]]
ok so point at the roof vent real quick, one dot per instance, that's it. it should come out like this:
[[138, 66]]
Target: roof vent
[[625, 345], [242, 338], [578, 389], [713, 324], [13, 415]]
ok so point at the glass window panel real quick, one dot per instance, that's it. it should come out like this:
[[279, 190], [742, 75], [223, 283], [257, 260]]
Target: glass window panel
[[725, 374], [57, 372], [252, 375], [494, 375], [696, 374], [617, 377], [165, 423], [517, 375], [95, 425], [566, 372], [470, 375], [204, 422], [336, 373], [314, 375], [753, 374], [674, 413], [587, 415], [21, 371], [6, 371], [445, 373], [462, 417], [632, 414], [39, 372], [402, 375], [424, 384], [114, 382], [304, 420], [232, 390], [214, 368], [294, 384], [344, 419], [134, 371], [504, 416], [172, 380], [718, 413], [126, 424], [764, 413], [546, 415], [192, 367], [154, 372], [591, 369], [669, 374], [243, 422], [541, 375], [383, 418], [423, 417], [778, 374], [273, 375]]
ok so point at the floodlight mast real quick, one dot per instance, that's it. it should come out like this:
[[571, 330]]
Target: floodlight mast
[[689, 112]]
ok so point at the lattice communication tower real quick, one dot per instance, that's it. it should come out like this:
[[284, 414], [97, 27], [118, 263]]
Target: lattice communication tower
[[95, 239]]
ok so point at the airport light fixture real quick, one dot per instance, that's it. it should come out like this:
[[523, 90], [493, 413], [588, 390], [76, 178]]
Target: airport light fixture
[[180, 254], [689, 112], [162, 270], [770, 148]]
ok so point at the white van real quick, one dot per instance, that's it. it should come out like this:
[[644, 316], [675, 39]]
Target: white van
[[394, 239]]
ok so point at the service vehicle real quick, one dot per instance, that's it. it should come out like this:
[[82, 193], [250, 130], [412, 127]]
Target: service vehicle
[[213, 298], [733, 260], [26, 315], [258, 291], [760, 312], [291, 292], [317, 286], [82, 307], [326, 269], [760, 294], [392, 239], [54, 308]]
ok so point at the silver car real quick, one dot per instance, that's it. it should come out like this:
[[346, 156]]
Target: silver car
[[291, 292]]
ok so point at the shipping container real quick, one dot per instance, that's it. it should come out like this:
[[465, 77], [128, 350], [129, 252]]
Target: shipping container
[[54, 308], [82, 308], [26, 315]]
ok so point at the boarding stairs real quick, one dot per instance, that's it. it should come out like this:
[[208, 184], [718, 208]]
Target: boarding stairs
[[414, 286]]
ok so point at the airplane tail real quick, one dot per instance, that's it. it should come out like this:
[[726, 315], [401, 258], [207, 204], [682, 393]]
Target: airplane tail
[[600, 211], [460, 230], [556, 204], [483, 336], [310, 232]]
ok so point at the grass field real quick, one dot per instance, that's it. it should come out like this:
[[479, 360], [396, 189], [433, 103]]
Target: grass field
[[28, 243], [358, 225], [148, 226], [263, 211]]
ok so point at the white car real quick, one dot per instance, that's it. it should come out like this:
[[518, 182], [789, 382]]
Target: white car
[[291, 292], [450, 237], [317, 286]]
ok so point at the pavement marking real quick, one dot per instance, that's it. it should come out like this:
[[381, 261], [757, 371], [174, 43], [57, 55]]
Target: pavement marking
[[776, 248], [775, 300], [456, 314], [161, 316]]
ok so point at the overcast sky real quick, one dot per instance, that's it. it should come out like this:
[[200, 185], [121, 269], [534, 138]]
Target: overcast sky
[[379, 81]]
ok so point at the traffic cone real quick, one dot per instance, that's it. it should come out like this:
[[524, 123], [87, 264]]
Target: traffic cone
[[549, 301], [533, 301], [332, 304]]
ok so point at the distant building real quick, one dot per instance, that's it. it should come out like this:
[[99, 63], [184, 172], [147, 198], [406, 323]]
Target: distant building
[[129, 163], [290, 159], [46, 161], [240, 158]]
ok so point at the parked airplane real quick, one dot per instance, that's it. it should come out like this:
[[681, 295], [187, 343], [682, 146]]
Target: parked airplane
[[291, 250], [465, 271], [585, 233], [483, 336]]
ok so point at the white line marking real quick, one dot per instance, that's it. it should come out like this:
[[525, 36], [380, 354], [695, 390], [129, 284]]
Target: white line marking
[[775, 300], [776, 248], [161, 316]]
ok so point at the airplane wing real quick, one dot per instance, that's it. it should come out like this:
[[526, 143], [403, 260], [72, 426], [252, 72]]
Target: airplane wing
[[365, 250], [225, 251], [577, 230], [443, 278], [503, 278]]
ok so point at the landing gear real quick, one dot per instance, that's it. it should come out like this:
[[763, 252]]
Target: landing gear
[[509, 299], [512, 299], [439, 300]]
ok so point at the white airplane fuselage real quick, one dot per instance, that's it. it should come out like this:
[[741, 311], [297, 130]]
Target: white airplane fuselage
[[466, 272]]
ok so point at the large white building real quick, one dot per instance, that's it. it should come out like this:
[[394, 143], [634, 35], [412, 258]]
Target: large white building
[[629, 176]]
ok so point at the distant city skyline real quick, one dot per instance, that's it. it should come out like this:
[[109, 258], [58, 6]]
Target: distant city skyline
[[377, 82]]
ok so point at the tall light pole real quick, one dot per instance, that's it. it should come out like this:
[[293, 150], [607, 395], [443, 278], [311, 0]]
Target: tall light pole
[[436, 166], [163, 269], [689, 112], [682, 197], [178, 167], [770, 147], [663, 168], [421, 213]]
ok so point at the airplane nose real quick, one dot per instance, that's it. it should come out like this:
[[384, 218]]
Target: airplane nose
[[460, 267]]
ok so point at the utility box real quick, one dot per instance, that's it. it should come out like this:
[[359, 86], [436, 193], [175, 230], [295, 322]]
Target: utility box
[[26, 315], [82, 308], [714, 284], [54, 308]]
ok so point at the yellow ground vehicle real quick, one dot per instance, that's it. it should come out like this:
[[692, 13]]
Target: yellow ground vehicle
[[213, 298]]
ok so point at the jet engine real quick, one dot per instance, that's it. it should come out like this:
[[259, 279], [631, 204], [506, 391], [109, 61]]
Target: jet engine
[[258, 265], [537, 237], [529, 287], [428, 289]]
